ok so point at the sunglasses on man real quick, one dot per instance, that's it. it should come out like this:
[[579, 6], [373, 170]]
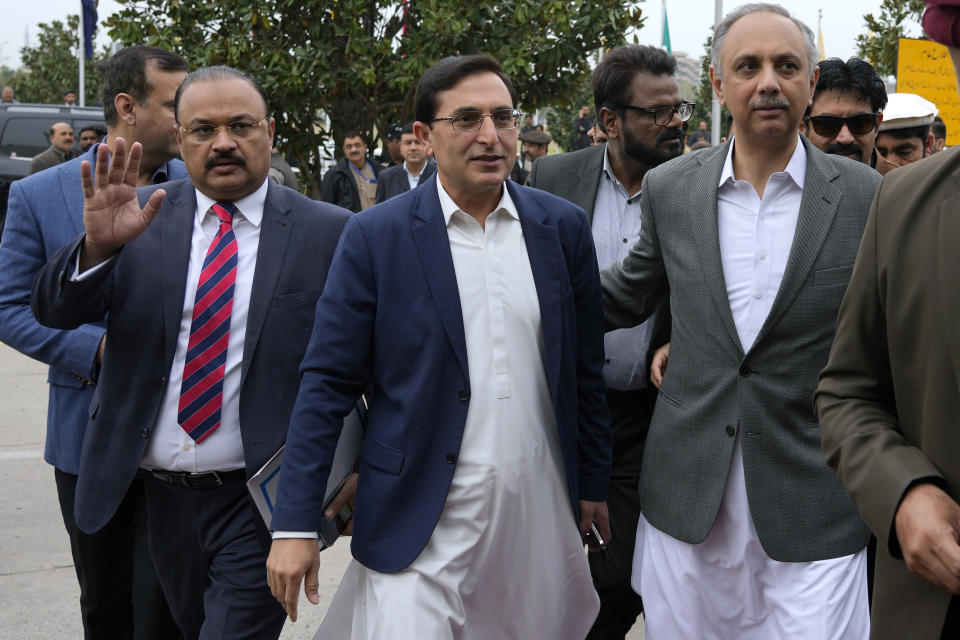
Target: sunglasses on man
[[830, 126]]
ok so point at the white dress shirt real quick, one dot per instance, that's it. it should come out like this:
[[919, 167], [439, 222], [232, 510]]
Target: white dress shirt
[[727, 586], [170, 447], [413, 180], [506, 549], [615, 229]]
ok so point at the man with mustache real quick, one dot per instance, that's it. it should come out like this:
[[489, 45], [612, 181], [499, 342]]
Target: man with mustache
[[745, 531], [641, 111], [847, 109], [209, 293]]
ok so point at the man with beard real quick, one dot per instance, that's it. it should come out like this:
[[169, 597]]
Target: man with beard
[[847, 109], [745, 532], [640, 110], [905, 135], [89, 136]]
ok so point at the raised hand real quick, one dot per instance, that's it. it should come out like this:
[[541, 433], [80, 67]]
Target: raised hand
[[112, 216]]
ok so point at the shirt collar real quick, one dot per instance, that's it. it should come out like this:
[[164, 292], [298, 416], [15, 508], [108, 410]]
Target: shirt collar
[[449, 207], [608, 171], [796, 168], [250, 207]]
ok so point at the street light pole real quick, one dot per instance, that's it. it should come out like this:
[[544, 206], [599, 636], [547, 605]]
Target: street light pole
[[715, 112]]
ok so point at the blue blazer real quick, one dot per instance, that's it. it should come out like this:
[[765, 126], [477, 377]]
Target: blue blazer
[[143, 291], [390, 318], [45, 212]]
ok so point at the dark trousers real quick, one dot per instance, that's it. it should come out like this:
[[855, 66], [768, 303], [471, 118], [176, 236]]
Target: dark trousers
[[619, 604], [120, 596], [211, 561]]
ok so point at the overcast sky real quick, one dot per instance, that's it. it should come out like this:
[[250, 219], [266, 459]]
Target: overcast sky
[[690, 22]]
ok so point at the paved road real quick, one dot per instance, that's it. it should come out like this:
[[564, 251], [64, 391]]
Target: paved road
[[38, 586]]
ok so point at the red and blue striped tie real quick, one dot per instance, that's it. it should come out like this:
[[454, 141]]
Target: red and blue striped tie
[[201, 392]]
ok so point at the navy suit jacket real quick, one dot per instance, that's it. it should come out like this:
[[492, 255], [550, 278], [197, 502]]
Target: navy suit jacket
[[45, 212], [390, 317], [393, 181], [143, 291]]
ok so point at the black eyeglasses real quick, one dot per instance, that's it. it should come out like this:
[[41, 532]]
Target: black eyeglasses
[[470, 121], [830, 126], [664, 115]]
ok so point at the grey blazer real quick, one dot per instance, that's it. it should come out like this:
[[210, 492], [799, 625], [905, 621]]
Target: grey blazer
[[573, 176], [712, 390]]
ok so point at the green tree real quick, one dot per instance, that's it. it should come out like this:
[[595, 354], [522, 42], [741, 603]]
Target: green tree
[[880, 44], [560, 117], [332, 65], [50, 67]]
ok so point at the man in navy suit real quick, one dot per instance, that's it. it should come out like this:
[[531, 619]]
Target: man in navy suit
[[471, 306], [210, 308], [416, 168], [119, 592]]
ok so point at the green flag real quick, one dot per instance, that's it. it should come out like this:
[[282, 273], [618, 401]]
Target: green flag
[[665, 43]]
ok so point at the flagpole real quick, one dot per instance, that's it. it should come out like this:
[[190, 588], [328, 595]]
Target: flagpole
[[81, 89], [715, 111]]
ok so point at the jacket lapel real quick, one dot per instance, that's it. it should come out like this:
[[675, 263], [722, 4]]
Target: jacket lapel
[[584, 179], [705, 227], [274, 236], [948, 266], [176, 229], [545, 253], [433, 246], [818, 206]]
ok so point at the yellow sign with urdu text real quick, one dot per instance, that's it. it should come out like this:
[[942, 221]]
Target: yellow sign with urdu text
[[924, 68]]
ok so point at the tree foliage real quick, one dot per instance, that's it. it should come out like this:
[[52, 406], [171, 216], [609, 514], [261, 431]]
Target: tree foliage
[[880, 44], [333, 65], [560, 117], [50, 67]]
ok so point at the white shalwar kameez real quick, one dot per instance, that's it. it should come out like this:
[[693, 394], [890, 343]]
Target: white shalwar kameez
[[506, 560], [727, 587]]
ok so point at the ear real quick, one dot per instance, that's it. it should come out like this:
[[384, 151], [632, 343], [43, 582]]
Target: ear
[[124, 103], [813, 83], [422, 131], [610, 122], [928, 144], [176, 133], [717, 85], [879, 120], [271, 127]]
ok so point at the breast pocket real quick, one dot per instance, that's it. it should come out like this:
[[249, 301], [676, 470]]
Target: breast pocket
[[300, 297], [382, 457], [832, 277]]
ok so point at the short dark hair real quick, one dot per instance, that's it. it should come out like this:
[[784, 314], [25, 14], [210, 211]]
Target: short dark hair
[[126, 72], [855, 76], [407, 128], [939, 128], [613, 77], [90, 127], [446, 74], [213, 74], [903, 133], [351, 134]]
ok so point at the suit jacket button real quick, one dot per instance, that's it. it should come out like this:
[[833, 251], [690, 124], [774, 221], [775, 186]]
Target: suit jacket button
[[144, 433], [730, 430], [745, 371], [163, 381], [464, 394], [452, 458]]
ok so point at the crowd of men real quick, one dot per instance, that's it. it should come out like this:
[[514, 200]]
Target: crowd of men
[[633, 346]]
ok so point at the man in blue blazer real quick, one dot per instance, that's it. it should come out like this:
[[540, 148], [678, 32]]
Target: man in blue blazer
[[210, 291], [119, 592], [471, 307]]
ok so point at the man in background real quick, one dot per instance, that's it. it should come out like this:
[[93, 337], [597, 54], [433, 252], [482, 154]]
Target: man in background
[[582, 124], [88, 137], [391, 155], [415, 170], [905, 135], [605, 182], [847, 109], [59, 151], [69, 98], [352, 182], [6, 96], [120, 596], [939, 131], [534, 144]]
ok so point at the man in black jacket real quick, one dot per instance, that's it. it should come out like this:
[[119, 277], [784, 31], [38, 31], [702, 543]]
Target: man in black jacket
[[415, 169], [352, 183]]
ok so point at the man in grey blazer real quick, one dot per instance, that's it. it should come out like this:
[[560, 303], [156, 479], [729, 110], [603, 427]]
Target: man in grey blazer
[[744, 530], [605, 182]]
